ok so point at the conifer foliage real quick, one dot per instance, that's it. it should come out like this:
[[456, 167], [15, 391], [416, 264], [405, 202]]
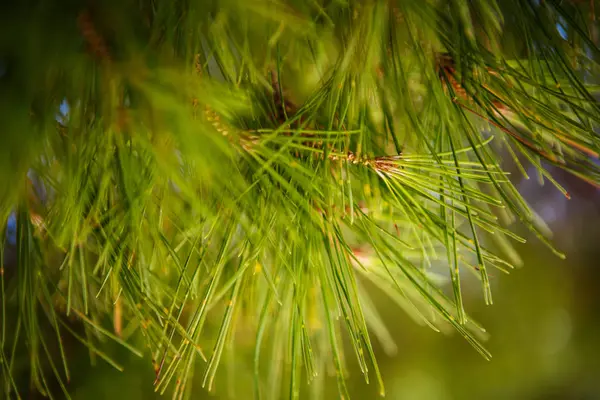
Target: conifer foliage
[[194, 178]]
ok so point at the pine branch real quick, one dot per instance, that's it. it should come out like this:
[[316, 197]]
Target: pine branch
[[199, 178]]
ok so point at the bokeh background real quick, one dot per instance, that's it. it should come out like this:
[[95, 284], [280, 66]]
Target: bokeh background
[[544, 329]]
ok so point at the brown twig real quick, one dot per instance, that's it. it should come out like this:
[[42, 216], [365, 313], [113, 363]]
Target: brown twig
[[95, 42], [446, 70]]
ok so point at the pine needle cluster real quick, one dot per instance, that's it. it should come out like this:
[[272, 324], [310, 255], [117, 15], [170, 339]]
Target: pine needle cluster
[[191, 177]]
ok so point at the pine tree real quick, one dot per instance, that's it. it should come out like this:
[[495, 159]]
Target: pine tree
[[192, 178]]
